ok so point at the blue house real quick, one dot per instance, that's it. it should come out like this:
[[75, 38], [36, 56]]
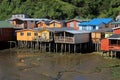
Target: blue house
[[95, 24]]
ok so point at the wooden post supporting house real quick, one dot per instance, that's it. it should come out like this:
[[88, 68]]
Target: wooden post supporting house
[[69, 48], [65, 47], [45, 47], [56, 47], [12, 42], [40, 47], [74, 48], [61, 48], [115, 54], [49, 44]]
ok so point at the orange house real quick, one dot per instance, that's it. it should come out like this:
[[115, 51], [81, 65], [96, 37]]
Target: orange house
[[73, 23], [56, 24], [42, 24], [6, 31]]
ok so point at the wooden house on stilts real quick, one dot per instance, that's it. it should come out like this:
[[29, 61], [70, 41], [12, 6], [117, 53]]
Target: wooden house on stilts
[[71, 40], [111, 45]]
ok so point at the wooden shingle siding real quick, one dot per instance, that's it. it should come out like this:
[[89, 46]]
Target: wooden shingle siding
[[105, 45], [72, 37], [6, 34], [82, 38]]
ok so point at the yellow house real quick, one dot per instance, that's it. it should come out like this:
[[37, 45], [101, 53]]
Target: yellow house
[[34, 35], [56, 24], [26, 34], [45, 35]]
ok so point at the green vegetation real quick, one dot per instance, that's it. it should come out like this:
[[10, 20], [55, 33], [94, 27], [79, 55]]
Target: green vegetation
[[113, 65], [60, 9]]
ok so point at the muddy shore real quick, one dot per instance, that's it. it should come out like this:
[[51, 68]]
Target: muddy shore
[[21, 65]]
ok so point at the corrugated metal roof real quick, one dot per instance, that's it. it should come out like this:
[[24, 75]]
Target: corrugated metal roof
[[30, 19], [5, 24], [104, 30], [115, 36], [77, 31], [97, 21], [59, 29]]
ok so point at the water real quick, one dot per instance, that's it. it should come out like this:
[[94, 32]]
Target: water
[[22, 65]]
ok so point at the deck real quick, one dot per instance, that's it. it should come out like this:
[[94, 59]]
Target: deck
[[62, 39], [42, 39], [114, 47]]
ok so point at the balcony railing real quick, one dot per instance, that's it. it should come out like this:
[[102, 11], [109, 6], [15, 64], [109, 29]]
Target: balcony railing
[[42, 39], [114, 47], [62, 39]]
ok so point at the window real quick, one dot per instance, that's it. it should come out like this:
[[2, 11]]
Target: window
[[21, 34], [35, 34], [94, 27], [84, 28], [28, 34], [113, 42], [116, 25]]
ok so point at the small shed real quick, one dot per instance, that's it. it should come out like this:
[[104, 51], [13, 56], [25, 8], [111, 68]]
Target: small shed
[[72, 36], [6, 31]]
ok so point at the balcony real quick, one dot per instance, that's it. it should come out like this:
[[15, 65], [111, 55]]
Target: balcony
[[114, 47], [42, 39], [62, 39]]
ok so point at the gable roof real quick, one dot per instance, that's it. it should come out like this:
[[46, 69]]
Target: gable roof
[[57, 21], [96, 21], [116, 22], [5, 24], [43, 21], [74, 20]]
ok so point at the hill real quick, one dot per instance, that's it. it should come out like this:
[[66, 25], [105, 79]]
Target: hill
[[60, 9]]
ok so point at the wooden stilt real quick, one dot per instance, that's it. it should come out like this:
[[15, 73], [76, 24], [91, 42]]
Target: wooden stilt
[[65, 47], [45, 47], [40, 47], [61, 48], [115, 54], [79, 48], [69, 48], [111, 54], [74, 48], [49, 47], [56, 48]]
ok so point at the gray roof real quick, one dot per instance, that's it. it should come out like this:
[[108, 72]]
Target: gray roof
[[29, 19], [5, 24], [77, 31], [59, 29], [104, 30], [115, 36]]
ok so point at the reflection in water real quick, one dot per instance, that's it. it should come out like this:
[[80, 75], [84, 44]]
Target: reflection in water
[[28, 65], [8, 70]]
